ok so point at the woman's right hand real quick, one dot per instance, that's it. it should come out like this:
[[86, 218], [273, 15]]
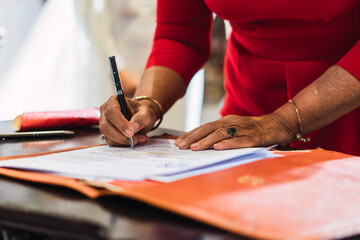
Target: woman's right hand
[[117, 129]]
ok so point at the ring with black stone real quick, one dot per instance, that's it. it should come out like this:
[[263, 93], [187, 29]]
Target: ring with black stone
[[231, 131]]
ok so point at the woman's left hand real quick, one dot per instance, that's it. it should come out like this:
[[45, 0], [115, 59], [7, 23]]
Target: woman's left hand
[[238, 132]]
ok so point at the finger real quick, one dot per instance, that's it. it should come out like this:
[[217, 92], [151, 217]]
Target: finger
[[140, 139], [137, 138], [133, 106], [185, 140], [208, 141], [113, 143], [112, 135], [233, 143], [112, 113], [143, 120]]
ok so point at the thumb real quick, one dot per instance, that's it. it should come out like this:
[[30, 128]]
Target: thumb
[[142, 121]]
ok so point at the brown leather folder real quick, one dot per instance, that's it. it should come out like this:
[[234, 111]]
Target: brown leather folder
[[304, 195]]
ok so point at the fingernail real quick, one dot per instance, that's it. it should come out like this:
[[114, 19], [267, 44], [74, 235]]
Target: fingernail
[[218, 146], [182, 144], [136, 126], [194, 146], [129, 133]]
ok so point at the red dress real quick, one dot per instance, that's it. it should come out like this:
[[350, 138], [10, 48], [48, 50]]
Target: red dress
[[276, 49]]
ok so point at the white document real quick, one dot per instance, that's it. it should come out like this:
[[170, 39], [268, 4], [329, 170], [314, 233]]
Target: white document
[[256, 156], [159, 159]]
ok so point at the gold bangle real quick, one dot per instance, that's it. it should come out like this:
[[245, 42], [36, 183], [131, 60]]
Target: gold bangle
[[299, 136], [139, 98]]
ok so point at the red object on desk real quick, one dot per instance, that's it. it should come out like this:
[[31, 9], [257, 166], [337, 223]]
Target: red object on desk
[[32, 121]]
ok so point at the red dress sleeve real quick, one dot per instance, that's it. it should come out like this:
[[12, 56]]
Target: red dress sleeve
[[351, 61], [182, 36]]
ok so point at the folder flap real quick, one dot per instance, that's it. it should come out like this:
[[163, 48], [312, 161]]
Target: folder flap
[[299, 196], [303, 195]]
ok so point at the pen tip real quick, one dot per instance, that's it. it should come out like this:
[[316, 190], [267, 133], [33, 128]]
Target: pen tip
[[131, 142]]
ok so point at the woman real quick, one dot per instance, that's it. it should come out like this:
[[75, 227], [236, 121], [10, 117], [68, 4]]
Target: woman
[[304, 51]]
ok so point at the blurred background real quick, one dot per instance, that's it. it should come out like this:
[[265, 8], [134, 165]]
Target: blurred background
[[53, 56]]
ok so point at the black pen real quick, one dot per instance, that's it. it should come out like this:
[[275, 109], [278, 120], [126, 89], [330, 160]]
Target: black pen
[[119, 92], [36, 134]]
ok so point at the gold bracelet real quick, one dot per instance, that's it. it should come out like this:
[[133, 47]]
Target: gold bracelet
[[299, 136], [139, 98]]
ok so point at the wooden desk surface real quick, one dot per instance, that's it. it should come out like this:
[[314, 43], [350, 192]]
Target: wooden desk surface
[[64, 214]]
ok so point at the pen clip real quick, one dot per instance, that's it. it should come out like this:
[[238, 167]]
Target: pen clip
[[115, 76]]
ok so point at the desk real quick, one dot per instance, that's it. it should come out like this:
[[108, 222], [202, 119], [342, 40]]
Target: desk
[[37, 211]]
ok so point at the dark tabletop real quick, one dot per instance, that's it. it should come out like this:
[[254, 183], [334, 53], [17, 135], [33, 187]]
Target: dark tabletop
[[39, 211]]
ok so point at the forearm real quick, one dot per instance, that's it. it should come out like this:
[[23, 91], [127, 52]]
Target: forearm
[[162, 84], [331, 96]]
